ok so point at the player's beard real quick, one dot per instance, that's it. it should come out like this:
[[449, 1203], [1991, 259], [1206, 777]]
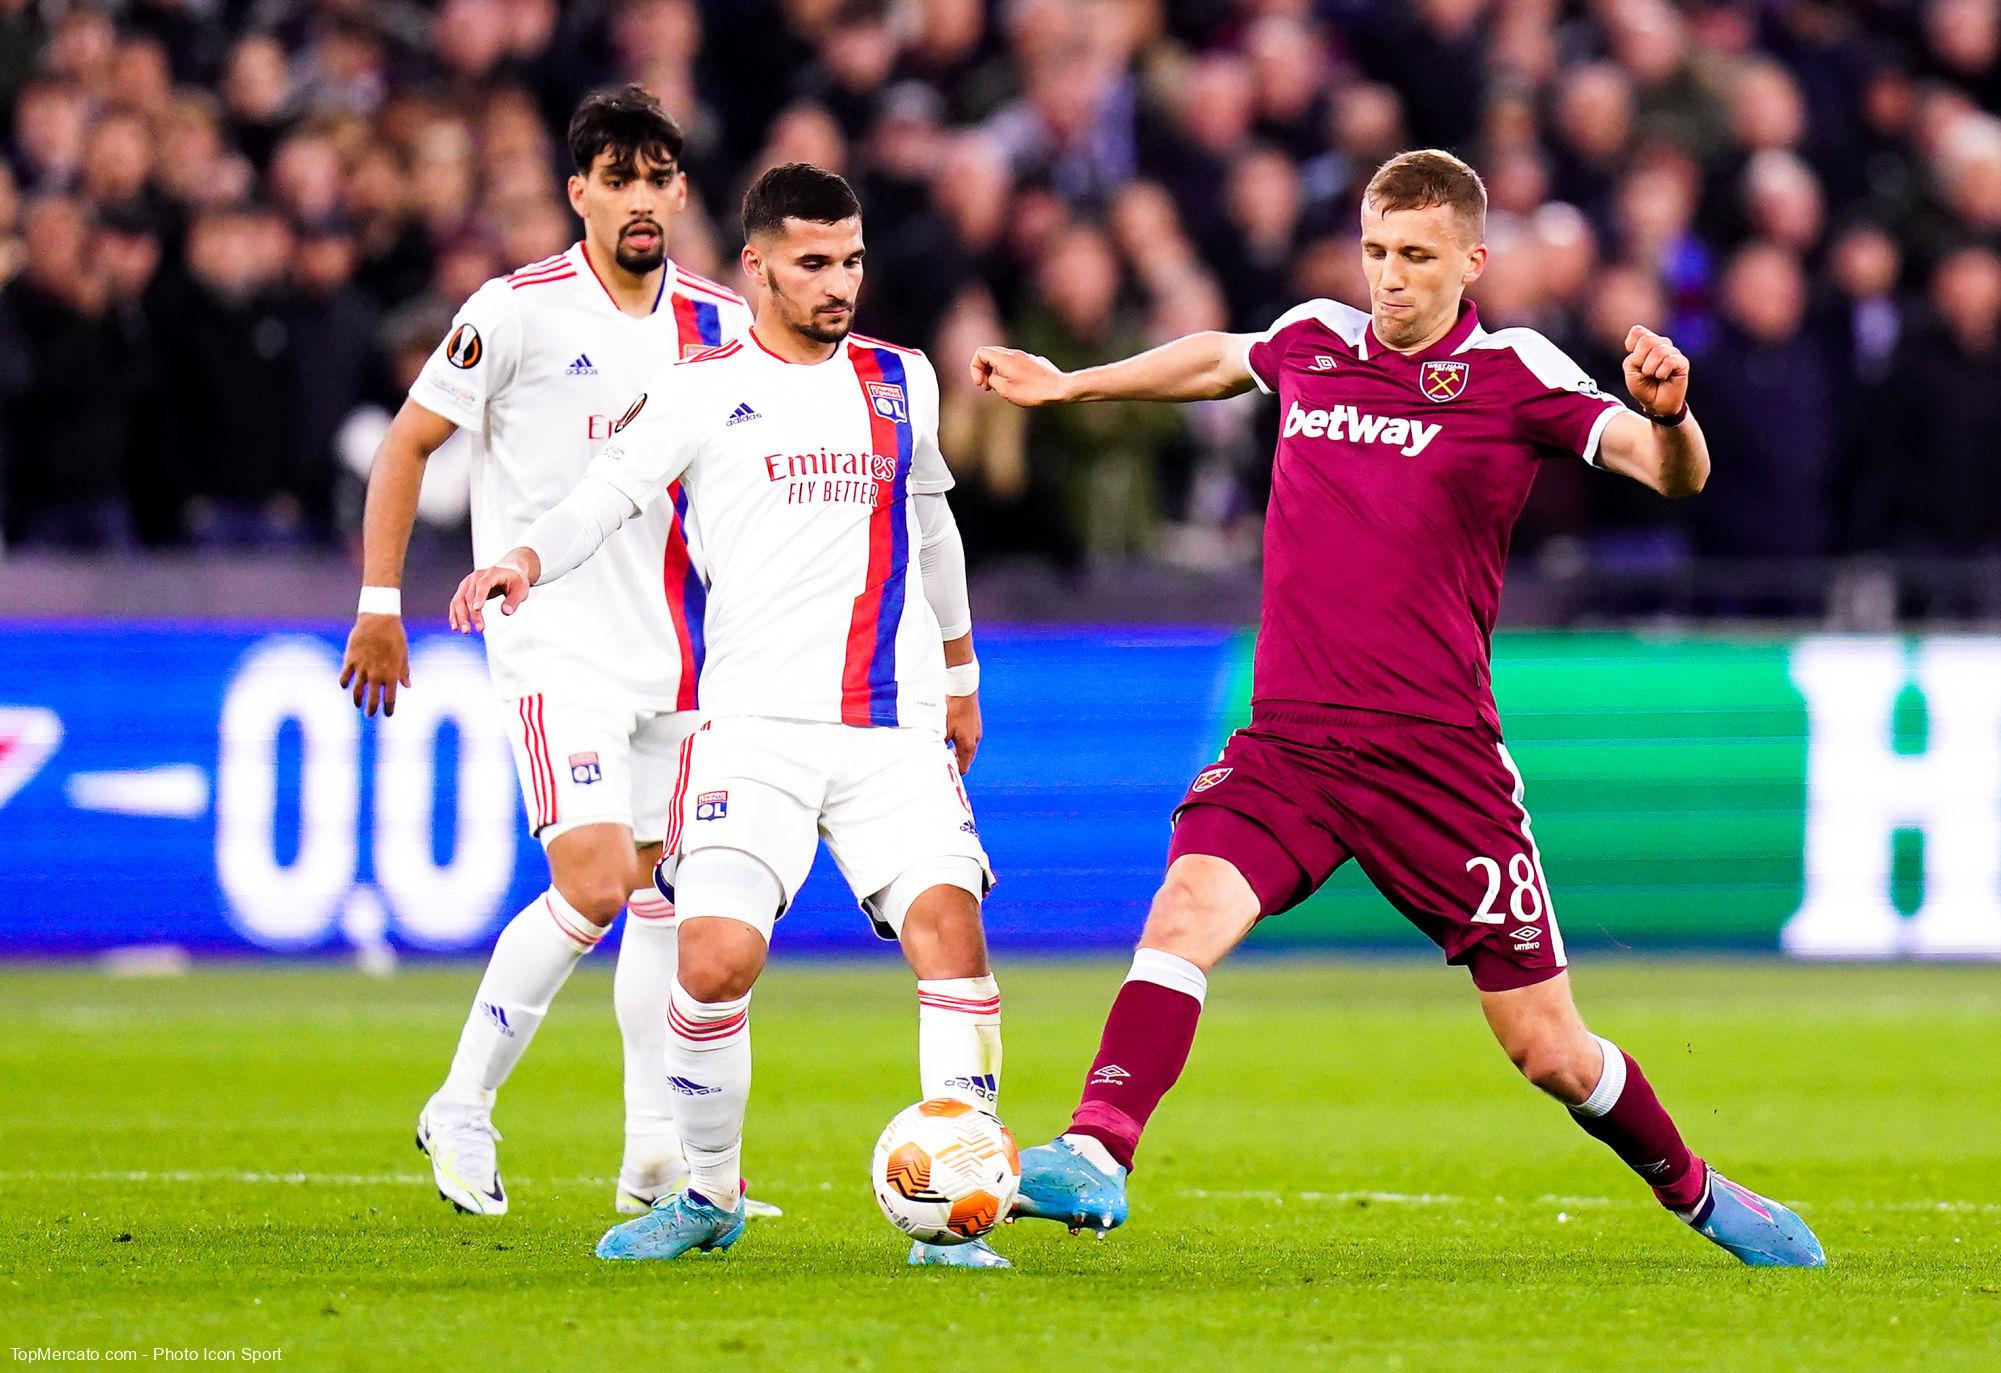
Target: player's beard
[[640, 261], [814, 326]]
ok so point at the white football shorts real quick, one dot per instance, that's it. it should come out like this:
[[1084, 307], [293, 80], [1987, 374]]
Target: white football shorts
[[885, 800], [586, 761]]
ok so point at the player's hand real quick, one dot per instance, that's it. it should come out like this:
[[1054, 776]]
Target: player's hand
[[378, 658], [1656, 371], [962, 728], [509, 579], [1024, 378]]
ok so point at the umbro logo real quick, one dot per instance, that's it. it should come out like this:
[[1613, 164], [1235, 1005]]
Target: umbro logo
[[1525, 932], [1109, 1076], [742, 413], [581, 367], [1322, 363]]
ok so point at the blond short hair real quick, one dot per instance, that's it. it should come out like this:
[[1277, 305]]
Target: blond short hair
[[1425, 177]]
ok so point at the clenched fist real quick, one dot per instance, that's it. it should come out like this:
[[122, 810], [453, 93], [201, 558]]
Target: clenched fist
[[1656, 371]]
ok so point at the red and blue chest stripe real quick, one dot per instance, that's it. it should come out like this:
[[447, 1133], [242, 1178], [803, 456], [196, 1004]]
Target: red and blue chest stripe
[[698, 324], [868, 672]]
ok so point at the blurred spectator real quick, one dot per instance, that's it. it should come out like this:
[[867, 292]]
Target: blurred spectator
[[66, 453], [1101, 460], [1768, 406], [231, 378], [1943, 412]]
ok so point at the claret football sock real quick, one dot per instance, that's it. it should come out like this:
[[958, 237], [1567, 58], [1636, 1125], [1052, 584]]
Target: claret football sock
[[649, 953], [708, 1069], [531, 961], [1144, 1048], [959, 1039], [1623, 1113]]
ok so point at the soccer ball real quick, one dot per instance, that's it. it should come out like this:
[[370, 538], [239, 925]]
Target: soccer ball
[[945, 1172]]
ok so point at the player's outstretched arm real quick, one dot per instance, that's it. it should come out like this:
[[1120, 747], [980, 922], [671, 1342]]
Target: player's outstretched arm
[[1204, 366], [941, 565], [1667, 453], [378, 651]]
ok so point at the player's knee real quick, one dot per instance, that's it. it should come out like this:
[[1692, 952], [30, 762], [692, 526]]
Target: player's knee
[[598, 896], [720, 958], [942, 935], [1553, 1064], [1191, 917]]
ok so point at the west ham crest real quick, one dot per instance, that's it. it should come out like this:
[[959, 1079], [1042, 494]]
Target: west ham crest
[[1210, 777], [1442, 381]]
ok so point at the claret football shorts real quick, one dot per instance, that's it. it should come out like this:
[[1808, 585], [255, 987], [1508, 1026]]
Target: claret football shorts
[[1433, 813]]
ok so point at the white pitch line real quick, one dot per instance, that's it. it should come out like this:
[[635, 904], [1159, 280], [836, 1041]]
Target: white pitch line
[[184, 1177]]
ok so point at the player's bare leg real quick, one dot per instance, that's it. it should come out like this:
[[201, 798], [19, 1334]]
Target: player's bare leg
[[592, 872], [1202, 911], [1610, 1098], [958, 1021], [728, 901]]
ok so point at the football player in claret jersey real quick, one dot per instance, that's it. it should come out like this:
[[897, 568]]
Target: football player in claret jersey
[[1409, 436], [840, 666], [598, 677]]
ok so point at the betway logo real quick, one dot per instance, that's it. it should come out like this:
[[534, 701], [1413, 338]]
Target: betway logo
[[1409, 437]]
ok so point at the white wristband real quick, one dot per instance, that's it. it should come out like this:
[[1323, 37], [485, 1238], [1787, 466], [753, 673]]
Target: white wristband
[[963, 679], [380, 600]]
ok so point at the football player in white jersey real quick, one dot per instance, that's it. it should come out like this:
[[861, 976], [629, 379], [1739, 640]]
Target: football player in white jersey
[[810, 458], [598, 677]]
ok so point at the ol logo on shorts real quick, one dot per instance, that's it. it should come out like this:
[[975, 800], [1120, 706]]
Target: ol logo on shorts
[[712, 805]]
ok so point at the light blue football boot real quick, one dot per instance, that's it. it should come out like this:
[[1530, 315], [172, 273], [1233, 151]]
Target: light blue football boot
[[1756, 1229], [1060, 1184], [978, 1254], [676, 1224]]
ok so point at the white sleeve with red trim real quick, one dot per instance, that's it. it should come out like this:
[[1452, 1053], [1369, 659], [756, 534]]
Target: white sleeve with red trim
[[929, 474], [1256, 352], [649, 451], [477, 358]]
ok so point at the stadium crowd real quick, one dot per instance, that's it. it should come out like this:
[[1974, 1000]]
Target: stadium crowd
[[230, 230]]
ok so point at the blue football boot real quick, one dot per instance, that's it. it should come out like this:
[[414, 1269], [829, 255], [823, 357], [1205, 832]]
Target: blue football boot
[[978, 1254], [1756, 1229], [1060, 1184], [676, 1224]]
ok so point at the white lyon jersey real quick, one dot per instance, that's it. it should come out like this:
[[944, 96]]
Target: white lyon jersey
[[538, 369], [803, 479]]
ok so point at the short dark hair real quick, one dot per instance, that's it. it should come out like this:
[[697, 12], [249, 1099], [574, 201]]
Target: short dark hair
[[629, 124], [1418, 180], [797, 190]]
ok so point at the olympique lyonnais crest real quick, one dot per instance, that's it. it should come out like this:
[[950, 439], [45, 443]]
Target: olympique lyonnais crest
[[1210, 778], [584, 769], [1442, 381], [887, 398], [712, 805]]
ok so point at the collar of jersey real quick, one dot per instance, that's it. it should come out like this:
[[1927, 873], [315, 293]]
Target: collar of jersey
[[840, 352], [1455, 338]]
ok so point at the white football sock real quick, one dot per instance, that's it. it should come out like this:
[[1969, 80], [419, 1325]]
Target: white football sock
[[648, 953], [708, 1068], [959, 1039], [1094, 1151], [531, 961]]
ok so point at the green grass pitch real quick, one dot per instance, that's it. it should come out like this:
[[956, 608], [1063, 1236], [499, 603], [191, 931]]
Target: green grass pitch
[[1350, 1177]]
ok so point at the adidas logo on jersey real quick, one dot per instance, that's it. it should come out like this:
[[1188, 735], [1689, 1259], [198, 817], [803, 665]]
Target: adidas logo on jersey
[[581, 367], [1409, 437], [740, 414]]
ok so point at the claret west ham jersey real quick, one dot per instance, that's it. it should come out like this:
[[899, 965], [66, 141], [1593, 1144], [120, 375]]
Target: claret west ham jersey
[[1395, 489], [802, 478], [537, 369]]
